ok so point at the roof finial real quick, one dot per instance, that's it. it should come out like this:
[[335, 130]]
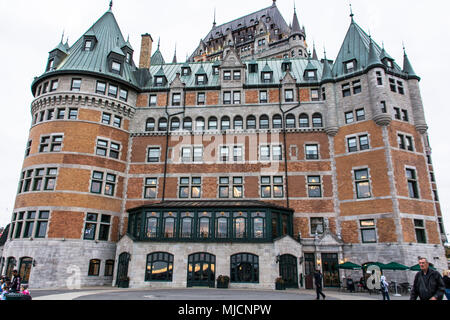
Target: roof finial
[[110, 5], [62, 37], [214, 23], [274, 3], [404, 49], [159, 42], [351, 12]]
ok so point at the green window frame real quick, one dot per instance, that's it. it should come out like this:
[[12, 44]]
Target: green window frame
[[240, 225], [159, 267], [244, 268], [169, 224], [204, 225], [152, 224], [258, 225], [186, 225], [222, 225]]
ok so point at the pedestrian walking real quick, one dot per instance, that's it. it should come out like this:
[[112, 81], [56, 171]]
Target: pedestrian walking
[[15, 283], [428, 284], [5, 290], [384, 288], [318, 282], [446, 279]]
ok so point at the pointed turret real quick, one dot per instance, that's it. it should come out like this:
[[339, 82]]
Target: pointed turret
[[407, 67], [314, 57], [327, 76], [174, 60], [157, 57], [374, 57], [295, 25]]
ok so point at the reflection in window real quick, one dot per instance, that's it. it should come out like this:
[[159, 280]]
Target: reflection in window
[[240, 225], [203, 224], [258, 219], [244, 268], [186, 224], [152, 224], [169, 225], [222, 225], [159, 267]]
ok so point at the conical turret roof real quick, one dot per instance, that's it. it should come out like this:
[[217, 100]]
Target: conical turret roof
[[157, 57], [407, 67]]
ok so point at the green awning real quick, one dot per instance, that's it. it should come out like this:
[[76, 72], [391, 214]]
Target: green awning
[[379, 264], [349, 266], [417, 267], [395, 266]]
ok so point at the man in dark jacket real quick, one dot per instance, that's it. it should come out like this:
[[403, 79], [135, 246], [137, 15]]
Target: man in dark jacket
[[428, 284], [318, 282], [16, 282]]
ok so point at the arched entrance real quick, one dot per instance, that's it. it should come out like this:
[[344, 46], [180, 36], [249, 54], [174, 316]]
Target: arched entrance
[[289, 271], [122, 270], [201, 270]]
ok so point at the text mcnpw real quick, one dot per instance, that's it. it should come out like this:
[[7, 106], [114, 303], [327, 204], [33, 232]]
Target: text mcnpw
[[234, 310]]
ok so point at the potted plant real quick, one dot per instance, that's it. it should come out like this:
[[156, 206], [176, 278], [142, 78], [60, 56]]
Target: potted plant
[[124, 282], [222, 282], [279, 284]]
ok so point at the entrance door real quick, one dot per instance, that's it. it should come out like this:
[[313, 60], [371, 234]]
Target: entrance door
[[330, 270], [201, 270], [288, 270], [122, 268]]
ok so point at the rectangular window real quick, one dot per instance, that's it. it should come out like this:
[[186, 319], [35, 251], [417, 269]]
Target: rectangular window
[[412, 183], [106, 118], [201, 98], [278, 189], [54, 86], [267, 77], [420, 231], [28, 149], [312, 152], [116, 67], [264, 153], [224, 154], [112, 91], [397, 114], [186, 154], [176, 99], [383, 107], [314, 187], [277, 153], [236, 97], [356, 87], [352, 144], [266, 187], [61, 114], [346, 90], [368, 232], [76, 85], [237, 75], [227, 97], [362, 184], [316, 225], [51, 144], [227, 75], [196, 188], [392, 85], [153, 100], [349, 117], [401, 141], [238, 187], [201, 80], [123, 95], [263, 97], [379, 78], [349, 66], [224, 187], [360, 115], [154, 154], [405, 115], [289, 95], [400, 88], [198, 154], [42, 223], [73, 114], [117, 122], [237, 154], [409, 143], [50, 114], [315, 95], [150, 188], [98, 182], [101, 87], [364, 143]]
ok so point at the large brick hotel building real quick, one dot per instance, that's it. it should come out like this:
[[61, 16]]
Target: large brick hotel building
[[253, 159]]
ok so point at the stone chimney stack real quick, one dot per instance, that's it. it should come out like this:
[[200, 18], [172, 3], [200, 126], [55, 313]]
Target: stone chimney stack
[[146, 51]]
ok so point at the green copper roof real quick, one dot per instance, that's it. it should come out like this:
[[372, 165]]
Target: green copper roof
[[326, 74], [201, 70], [157, 58], [356, 45], [374, 57], [61, 47], [109, 39], [407, 67]]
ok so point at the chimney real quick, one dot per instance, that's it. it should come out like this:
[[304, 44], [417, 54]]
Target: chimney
[[146, 51]]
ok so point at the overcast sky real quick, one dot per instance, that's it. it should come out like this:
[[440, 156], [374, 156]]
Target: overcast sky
[[30, 29]]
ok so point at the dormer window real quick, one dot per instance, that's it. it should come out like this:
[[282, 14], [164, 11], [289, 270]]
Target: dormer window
[[253, 68], [389, 63], [128, 57], [116, 67], [286, 66], [200, 79], [267, 77], [227, 75], [51, 65], [160, 81], [88, 45], [350, 66], [216, 71], [185, 71], [311, 75]]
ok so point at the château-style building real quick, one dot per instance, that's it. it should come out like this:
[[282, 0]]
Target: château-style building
[[253, 159]]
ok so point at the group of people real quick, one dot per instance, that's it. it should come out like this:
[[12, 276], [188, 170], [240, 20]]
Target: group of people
[[428, 284], [13, 285]]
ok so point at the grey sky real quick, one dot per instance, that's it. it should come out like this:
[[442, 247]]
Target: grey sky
[[30, 29]]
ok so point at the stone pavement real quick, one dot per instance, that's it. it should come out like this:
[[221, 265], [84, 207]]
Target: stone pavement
[[111, 293]]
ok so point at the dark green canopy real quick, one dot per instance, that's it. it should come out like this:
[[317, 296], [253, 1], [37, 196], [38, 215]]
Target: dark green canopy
[[349, 266], [395, 266], [417, 267]]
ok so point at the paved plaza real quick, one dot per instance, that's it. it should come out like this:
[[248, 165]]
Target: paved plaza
[[111, 293]]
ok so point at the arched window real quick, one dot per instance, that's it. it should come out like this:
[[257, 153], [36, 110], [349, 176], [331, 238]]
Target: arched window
[[10, 265], [187, 124], [251, 122], [290, 121], [264, 122], [304, 120], [238, 122], [244, 268], [200, 124], [222, 225], [204, 223], [212, 123], [152, 224], [258, 225], [186, 225], [317, 120], [240, 225], [175, 124], [162, 124], [94, 267], [159, 267], [25, 268], [225, 123], [277, 122], [169, 224], [109, 268], [150, 124]]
